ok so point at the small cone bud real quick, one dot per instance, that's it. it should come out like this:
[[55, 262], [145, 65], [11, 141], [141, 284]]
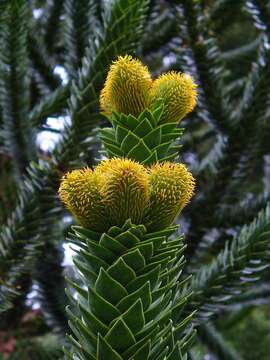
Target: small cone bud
[[124, 189], [178, 92], [171, 188], [127, 86], [79, 191]]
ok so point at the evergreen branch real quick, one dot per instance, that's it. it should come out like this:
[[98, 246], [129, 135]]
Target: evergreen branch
[[42, 64], [32, 183], [245, 51], [235, 88], [7, 295], [80, 22], [220, 7], [244, 178], [21, 238], [207, 61], [239, 264], [17, 300], [243, 211], [254, 99], [215, 180], [214, 340], [260, 295], [50, 105], [209, 163], [3, 5], [232, 169], [260, 11], [231, 217], [246, 164], [51, 286], [36, 92], [38, 347], [163, 27], [239, 60], [52, 24], [14, 93], [7, 189], [257, 87], [236, 316]]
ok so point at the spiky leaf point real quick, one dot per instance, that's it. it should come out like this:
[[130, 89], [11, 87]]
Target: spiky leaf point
[[124, 189], [178, 92], [171, 188], [126, 89], [79, 191]]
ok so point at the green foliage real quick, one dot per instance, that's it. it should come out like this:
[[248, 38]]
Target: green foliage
[[55, 10], [51, 105], [240, 263], [18, 256], [38, 348], [252, 329], [216, 343], [130, 278], [80, 23], [141, 139], [49, 276], [14, 84]]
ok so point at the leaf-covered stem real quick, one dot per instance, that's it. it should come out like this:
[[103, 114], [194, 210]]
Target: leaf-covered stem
[[14, 94]]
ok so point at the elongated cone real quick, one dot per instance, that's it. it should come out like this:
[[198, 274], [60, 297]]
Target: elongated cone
[[171, 188], [126, 89], [79, 191], [124, 189], [179, 95], [129, 280]]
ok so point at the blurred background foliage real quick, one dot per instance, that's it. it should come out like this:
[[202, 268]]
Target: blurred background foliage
[[54, 56]]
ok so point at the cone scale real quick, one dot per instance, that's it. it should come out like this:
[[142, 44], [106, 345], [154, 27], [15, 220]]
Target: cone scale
[[127, 303]]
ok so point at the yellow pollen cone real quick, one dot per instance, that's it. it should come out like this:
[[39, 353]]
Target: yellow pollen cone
[[171, 188], [127, 86], [179, 95], [124, 189], [79, 191]]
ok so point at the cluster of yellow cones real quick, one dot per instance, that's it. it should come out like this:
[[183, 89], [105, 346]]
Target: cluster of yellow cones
[[129, 89], [119, 189]]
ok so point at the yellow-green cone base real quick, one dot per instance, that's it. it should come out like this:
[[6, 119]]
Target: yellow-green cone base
[[129, 306]]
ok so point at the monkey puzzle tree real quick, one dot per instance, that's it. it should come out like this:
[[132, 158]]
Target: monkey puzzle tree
[[225, 145]]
